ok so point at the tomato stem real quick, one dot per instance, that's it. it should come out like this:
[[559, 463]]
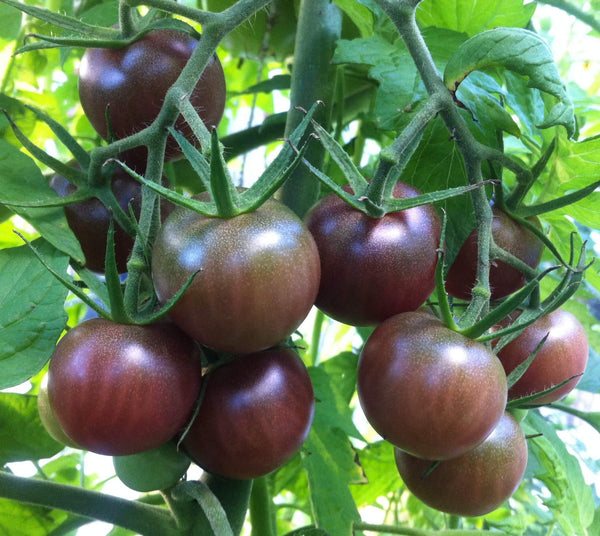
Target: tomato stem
[[131, 515], [261, 509], [313, 79]]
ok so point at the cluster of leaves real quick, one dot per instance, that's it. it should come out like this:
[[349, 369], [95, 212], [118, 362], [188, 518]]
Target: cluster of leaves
[[509, 104]]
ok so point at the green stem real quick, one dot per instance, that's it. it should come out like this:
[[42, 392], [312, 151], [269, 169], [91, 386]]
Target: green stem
[[315, 340], [407, 531], [584, 16], [126, 20], [131, 515], [261, 509], [313, 79], [403, 15]]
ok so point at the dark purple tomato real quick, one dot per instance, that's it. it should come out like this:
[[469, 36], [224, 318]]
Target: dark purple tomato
[[121, 389], [89, 220], [256, 412], [563, 355], [131, 83], [257, 275], [504, 279], [475, 483], [374, 268], [427, 389]]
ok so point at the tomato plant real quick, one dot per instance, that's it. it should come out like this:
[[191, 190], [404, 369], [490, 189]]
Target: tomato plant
[[122, 389], [396, 256], [257, 275], [429, 390], [504, 279], [128, 85], [254, 415], [475, 483], [563, 356], [364, 164]]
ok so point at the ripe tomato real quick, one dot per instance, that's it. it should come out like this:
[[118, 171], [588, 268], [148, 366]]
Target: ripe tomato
[[89, 220], [427, 389], [374, 268], [257, 275], [131, 83], [475, 483], [122, 389], [563, 355], [255, 414], [504, 279], [155, 469]]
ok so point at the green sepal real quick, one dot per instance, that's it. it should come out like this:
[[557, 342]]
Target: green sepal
[[194, 157], [520, 369], [78, 152], [223, 192], [113, 281], [529, 401], [73, 175]]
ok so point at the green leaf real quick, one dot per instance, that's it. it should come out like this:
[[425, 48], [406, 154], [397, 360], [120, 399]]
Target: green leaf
[[22, 181], [359, 14], [572, 500], [22, 434], [520, 51], [474, 16], [377, 460], [31, 301], [11, 23], [17, 519], [308, 531], [330, 462]]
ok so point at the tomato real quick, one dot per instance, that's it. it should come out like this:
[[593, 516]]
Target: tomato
[[475, 483], [563, 355], [504, 279], [257, 275], [427, 389], [256, 412], [131, 83], [155, 469], [89, 220], [49, 421], [122, 389], [374, 268]]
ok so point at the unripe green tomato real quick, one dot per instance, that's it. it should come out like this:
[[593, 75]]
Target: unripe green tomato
[[49, 421], [155, 469], [519, 413]]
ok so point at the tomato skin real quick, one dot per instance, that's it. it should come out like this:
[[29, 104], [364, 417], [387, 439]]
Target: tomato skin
[[475, 483], [504, 279], [258, 275], [121, 389], [256, 412], [374, 268], [427, 389], [563, 355], [89, 220], [133, 81]]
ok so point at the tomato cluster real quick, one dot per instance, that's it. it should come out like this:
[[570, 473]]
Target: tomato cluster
[[220, 377]]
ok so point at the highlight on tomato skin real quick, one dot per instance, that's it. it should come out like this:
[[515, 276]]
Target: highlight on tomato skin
[[427, 389], [475, 483], [119, 389], [255, 414], [564, 355], [396, 257]]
